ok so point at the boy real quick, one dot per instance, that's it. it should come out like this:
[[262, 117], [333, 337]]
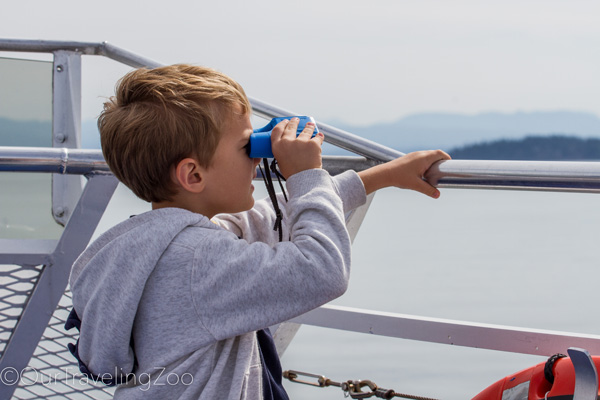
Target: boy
[[172, 304]]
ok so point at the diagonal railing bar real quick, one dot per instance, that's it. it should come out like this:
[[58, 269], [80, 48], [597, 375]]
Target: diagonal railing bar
[[335, 136], [53, 369], [54, 277]]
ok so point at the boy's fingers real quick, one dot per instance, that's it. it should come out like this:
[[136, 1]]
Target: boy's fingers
[[421, 185], [425, 188], [438, 155], [307, 131], [291, 129], [432, 157], [277, 132], [319, 137]]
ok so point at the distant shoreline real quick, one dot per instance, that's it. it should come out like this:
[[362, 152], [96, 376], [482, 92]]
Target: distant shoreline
[[538, 148]]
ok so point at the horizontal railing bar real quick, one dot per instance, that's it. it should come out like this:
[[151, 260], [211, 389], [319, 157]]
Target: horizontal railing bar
[[52, 159], [80, 161], [444, 331], [516, 175], [88, 48], [49, 46], [26, 251], [508, 175]]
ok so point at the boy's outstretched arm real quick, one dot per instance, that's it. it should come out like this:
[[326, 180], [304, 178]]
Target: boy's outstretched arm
[[405, 172]]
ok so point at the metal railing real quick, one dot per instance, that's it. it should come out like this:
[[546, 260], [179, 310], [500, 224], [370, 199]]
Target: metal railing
[[524, 175], [513, 175], [64, 160]]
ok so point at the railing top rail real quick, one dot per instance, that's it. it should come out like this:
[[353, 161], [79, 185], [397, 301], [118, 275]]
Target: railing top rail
[[49, 46], [88, 48], [567, 176], [526, 175], [52, 159], [91, 161]]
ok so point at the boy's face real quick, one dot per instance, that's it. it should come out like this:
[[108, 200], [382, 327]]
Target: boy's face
[[229, 179]]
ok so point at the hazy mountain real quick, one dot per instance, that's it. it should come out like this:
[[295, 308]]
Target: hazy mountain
[[447, 131]]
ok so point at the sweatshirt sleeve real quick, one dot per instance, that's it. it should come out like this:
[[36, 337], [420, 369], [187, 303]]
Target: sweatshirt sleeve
[[239, 287], [257, 224], [351, 190]]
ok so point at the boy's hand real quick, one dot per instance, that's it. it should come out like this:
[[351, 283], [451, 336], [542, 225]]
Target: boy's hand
[[296, 154], [405, 172]]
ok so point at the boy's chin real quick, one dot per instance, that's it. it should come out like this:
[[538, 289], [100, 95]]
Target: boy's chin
[[247, 207]]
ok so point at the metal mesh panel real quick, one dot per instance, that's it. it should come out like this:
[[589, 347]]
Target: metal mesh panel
[[16, 283], [52, 372]]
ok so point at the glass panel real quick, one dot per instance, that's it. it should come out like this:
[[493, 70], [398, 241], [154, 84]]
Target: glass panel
[[26, 120]]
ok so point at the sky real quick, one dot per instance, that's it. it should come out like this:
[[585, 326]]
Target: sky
[[352, 61]]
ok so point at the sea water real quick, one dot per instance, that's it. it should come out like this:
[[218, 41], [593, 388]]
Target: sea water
[[515, 258]]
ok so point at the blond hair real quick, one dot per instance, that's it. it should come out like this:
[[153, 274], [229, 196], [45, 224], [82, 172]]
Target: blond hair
[[159, 117]]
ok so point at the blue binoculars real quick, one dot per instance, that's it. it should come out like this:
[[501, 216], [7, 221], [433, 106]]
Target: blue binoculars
[[259, 145]]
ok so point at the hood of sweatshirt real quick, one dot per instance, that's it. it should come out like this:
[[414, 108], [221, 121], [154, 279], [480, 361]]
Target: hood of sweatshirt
[[107, 282]]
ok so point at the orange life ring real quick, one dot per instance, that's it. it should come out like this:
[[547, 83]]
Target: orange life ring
[[534, 384]]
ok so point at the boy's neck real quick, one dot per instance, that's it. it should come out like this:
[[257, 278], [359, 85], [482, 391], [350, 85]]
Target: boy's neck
[[178, 201]]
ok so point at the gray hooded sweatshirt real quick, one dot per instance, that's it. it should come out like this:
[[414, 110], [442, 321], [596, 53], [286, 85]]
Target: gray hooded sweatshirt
[[173, 301]]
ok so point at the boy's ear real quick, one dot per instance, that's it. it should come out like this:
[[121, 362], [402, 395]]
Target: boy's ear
[[189, 174]]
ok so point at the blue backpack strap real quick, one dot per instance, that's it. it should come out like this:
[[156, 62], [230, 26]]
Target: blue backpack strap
[[272, 372], [73, 321]]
